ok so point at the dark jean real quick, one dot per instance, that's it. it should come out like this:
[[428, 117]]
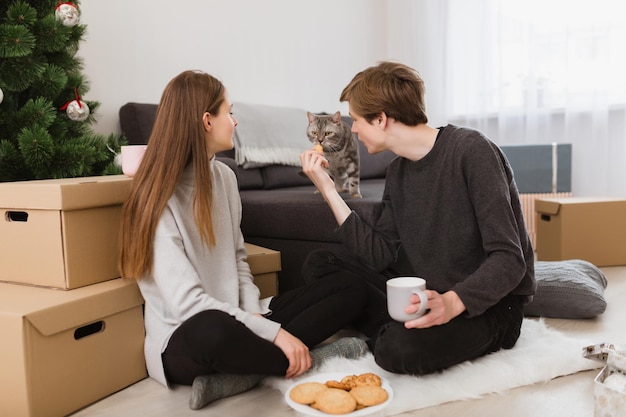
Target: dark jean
[[213, 341], [419, 351]]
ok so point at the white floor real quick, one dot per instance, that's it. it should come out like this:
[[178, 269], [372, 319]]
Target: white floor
[[570, 396]]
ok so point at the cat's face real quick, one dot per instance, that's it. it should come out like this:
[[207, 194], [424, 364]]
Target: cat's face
[[326, 130]]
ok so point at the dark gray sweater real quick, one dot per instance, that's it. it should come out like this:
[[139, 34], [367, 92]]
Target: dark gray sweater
[[454, 218]]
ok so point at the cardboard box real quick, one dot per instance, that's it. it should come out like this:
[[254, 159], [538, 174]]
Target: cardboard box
[[545, 168], [264, 263], [61, 233], [593, 229], [63, 350], [528, 208], [540, 171], [267, 283]]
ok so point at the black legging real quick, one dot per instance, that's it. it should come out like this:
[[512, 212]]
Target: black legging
[[213, 341]]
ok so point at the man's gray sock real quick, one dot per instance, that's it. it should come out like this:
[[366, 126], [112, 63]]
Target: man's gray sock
[[346, 347]]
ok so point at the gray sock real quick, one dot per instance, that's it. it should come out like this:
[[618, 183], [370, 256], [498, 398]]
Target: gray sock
[[346, 347], [209, 388]]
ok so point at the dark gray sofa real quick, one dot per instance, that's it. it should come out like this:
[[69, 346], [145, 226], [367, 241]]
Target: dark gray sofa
[[281, 210]]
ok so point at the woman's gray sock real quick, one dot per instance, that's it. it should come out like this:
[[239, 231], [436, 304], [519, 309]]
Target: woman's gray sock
[[209, 388]]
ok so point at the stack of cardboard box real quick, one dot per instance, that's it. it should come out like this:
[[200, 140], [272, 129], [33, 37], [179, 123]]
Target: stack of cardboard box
[[72, 329]]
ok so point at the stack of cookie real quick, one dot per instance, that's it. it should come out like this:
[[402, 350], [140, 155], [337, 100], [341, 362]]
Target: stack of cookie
[[353, 392]]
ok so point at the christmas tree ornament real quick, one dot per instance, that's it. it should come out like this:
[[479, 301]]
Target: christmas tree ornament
[[1, 95], [67, 13], [77, 111]]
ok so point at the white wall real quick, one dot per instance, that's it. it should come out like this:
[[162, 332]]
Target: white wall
[[411, 20], [277, 52]]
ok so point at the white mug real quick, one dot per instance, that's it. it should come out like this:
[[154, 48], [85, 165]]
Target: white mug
[[131, 158], [399, 291]]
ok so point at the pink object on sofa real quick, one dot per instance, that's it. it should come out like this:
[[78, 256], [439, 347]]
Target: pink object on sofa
[[131, 158]]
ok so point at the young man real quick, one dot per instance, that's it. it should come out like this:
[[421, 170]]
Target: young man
[[451, 214]]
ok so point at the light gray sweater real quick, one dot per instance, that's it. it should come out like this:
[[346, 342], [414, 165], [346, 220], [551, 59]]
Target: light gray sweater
[[188, 277]]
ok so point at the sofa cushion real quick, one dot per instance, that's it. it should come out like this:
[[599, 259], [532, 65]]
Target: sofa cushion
[[249, 179], [373, 166], [572, 289], [300, 213], [279, 176], [136, 120], [246, 178]]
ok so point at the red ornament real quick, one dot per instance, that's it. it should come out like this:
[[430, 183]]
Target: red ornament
[[76, 110]]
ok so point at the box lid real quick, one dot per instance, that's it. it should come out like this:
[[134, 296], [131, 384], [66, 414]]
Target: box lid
[[553, 205], [48, 310], [65, 193], [547, 206]]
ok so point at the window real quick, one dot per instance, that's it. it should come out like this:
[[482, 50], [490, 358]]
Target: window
[[535, 55]]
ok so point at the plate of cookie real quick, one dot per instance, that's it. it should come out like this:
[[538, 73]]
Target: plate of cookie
[[337, 393]]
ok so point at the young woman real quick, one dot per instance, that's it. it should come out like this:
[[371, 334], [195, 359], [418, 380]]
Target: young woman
[[181, 240], [451, 214]]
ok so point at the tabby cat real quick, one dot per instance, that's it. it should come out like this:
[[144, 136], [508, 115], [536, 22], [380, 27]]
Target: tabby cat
[[340, 149]]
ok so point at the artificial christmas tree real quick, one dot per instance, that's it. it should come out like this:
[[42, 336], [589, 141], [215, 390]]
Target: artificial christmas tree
[[45, 125]]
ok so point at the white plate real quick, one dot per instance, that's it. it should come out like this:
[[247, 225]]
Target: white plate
[[337, 376]]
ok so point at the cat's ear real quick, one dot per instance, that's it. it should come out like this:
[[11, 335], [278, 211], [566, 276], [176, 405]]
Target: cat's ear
[[310, 116], [336, 118]]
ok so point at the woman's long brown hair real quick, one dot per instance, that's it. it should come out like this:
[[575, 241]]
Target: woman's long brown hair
[[177, 140]]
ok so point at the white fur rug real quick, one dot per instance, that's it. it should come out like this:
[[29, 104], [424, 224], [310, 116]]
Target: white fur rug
[[541, 354]]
